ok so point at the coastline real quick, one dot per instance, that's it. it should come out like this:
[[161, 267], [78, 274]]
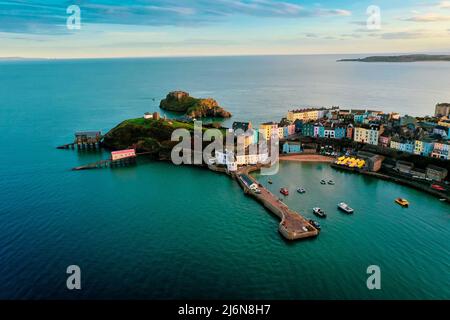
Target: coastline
[[397, 180]]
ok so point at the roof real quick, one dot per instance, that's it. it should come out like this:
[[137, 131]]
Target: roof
[[247, 180], [88, 133], [123, 152], [241, 125], [308, 110]]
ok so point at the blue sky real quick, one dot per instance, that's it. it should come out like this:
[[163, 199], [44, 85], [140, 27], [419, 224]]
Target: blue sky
[[220, 27]]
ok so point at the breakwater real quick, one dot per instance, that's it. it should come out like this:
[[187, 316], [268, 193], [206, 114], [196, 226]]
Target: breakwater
[[292, 226]]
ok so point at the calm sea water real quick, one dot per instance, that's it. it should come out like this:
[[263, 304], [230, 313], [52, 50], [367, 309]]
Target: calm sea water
[[159, 231]]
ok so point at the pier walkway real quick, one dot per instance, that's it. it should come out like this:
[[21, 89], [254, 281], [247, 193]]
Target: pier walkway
[[292, 226]]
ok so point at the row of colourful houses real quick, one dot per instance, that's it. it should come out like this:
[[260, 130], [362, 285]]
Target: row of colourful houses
[[271, 129]]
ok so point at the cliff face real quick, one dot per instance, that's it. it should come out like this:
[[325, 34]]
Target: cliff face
[[182, 102]]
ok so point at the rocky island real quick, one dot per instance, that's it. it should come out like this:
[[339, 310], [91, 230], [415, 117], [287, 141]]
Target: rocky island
[[182, 102], [402, 58]]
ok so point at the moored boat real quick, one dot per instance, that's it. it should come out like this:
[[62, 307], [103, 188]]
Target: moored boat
[[323, 182], [270, 181], [403, 202], [345, 207], [319, 212], [438, 187], [315, 224], [331, 182], [301, 190]]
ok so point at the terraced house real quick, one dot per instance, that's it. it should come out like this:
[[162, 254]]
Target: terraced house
[[423, 148], [441, 151], [368, 134], [305, 115]]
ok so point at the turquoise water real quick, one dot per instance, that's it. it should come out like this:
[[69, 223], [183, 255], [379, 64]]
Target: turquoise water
[[159, 231]]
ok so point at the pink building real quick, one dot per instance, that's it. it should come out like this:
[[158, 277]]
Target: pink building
[[385, 141], [123, 154], [350, 130]]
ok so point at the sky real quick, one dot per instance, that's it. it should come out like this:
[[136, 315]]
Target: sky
[[147, 28]]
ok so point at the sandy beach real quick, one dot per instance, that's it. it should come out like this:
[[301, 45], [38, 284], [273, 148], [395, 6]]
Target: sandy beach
[[306, 158]]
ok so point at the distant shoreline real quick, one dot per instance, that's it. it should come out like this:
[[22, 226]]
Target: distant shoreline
[[401, 58]]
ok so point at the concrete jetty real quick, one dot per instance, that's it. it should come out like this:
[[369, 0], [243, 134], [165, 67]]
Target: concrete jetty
[[292, 226]]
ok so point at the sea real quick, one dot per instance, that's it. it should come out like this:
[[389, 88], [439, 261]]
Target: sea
[[160, 231]]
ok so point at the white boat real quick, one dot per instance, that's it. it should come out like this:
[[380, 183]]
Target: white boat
[[301, 190], [345, 207], [319, 212]]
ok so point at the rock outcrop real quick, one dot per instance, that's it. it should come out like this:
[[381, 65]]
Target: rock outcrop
[[182, 102]]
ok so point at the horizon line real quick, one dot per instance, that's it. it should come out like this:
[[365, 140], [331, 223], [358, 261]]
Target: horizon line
[[17, 58]]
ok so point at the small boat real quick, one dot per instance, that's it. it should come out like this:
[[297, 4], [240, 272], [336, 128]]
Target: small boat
[[331, 182], [323, 182], [301, 190], [315, 224], [284, 191], [443, 200], [345, 207], [270, 181], [403, 202], [319, 212], [438, 187]]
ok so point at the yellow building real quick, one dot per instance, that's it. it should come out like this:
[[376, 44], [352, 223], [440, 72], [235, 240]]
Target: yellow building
[[395, 145], [369, 135], [268, 129], [444, 123], [418, 147], [306, 114]]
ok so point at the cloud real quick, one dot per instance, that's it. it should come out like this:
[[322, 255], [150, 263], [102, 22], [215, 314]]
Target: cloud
[[444, 5], [34, 17], [403, 35], [428, 17]]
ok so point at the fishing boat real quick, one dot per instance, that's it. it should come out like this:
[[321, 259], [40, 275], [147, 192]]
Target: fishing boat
[[345, 207], [438, 187], [284, 191], [315, 224], [301, 190], [403, 202], [319, 212]]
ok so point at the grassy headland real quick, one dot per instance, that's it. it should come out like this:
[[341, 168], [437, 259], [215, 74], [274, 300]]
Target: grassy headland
[[149, 135]]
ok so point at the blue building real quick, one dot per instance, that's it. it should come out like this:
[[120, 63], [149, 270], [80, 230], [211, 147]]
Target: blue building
[[359, 118], [308, 130], [340, 132], [298, 126], [292, 147]]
